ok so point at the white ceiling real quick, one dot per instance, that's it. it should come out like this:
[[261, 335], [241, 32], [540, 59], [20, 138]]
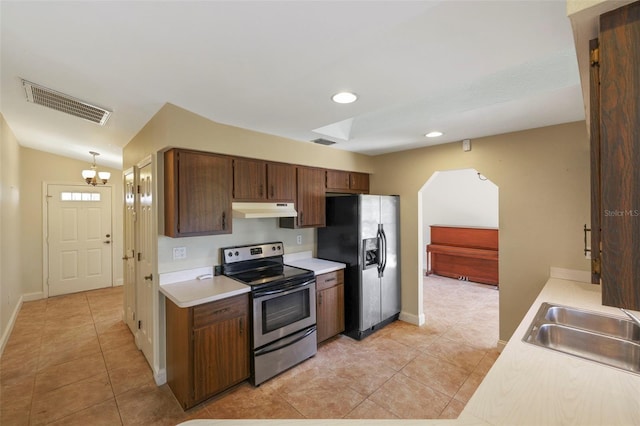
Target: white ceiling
[[467, 68]]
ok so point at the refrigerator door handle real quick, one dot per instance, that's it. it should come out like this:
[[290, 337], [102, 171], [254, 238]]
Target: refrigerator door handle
[[383, 250]]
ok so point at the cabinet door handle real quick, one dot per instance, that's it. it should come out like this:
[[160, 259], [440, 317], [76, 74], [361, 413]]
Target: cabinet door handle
[[224, 220], [272, 191], [330, 279], [320, 299], [301, 218], [241, 326]]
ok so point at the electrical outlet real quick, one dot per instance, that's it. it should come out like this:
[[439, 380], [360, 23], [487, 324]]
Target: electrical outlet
[[299, 239], [179, 253]]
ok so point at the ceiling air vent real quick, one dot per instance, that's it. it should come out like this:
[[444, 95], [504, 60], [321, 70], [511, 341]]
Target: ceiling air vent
[[59, 101], [322, 141]]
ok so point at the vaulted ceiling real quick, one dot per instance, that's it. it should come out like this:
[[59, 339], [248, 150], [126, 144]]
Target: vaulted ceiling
[[466, 68]]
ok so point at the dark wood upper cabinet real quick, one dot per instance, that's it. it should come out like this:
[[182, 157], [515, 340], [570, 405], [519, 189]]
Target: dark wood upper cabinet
[[281, 182], [249, 179], [197, 193], [359, 182], [616, 155], [310, 199], [257, 180], [347, 182]]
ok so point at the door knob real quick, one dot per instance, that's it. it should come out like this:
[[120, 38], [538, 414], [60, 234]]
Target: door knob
[[149, 277], [107, 242]]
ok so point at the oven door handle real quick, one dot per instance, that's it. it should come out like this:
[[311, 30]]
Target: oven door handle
[[287, 341], [283, 291]]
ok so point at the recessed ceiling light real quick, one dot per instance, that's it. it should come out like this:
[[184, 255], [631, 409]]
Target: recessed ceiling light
[[434, 134], [344, 97]]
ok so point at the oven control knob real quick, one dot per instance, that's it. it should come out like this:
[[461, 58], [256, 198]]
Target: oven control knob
[[237, 253], [278, 247], [229, 254]]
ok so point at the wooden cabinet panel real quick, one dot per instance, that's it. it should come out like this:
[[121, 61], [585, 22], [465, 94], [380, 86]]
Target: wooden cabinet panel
[[310, 199], [207, 348], [257, 180], [281, 182], [619, 107], [249, 179], [220, 356], [329, 279], [220, 310], [329, 304], [347, 182], [337, 180], [197, 193], [359, 182]]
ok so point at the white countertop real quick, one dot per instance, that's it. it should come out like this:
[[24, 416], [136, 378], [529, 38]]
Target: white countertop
[[531, 385], [195, 292], [318, 266]]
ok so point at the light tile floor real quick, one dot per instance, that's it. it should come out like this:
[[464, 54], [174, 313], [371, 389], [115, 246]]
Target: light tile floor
[[71, 360]]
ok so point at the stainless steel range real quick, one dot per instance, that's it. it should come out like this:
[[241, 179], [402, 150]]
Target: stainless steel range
[[284, 307]]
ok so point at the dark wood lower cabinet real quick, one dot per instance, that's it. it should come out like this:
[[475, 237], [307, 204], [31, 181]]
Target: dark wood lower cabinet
[[329, 304], [207, 348]]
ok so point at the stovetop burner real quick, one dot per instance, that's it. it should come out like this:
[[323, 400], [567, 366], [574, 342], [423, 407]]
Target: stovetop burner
[[261, 265]]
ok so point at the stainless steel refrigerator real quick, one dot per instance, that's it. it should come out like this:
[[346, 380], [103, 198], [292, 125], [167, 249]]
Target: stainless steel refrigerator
[[363, 231]]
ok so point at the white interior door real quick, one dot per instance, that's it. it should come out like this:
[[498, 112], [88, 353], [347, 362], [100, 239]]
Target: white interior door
[[144, 276], [79, 238], [129, 254]]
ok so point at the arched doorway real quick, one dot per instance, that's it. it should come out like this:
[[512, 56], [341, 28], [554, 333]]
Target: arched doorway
[[462, 197]]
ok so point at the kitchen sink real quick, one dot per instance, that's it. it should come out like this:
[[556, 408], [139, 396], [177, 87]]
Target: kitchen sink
[[610, 326], [608, 340]]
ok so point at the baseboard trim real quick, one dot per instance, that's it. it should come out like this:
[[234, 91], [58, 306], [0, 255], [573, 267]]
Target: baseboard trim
[[30, 297], [411, 318], [160, 377], [9, 329], [27, 297], [501, 345]]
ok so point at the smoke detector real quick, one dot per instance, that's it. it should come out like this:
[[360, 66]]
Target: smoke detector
[[60, 102]]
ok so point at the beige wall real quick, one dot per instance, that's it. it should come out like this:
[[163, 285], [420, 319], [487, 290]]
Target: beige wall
[[175, 127], [543, 176], [11, 288], [543, 179], [37, 167]]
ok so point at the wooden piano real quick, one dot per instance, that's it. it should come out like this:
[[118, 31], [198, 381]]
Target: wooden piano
[[464, 252]]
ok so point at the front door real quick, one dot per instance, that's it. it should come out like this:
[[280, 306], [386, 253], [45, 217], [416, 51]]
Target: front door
[[79, 238]]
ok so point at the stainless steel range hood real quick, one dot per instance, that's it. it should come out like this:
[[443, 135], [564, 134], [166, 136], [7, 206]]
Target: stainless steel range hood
[[260, 210]]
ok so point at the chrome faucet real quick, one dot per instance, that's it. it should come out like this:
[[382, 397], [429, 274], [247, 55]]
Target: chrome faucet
[[632, 316]]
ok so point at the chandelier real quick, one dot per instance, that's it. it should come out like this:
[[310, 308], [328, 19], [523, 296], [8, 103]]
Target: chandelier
[[92, 176]]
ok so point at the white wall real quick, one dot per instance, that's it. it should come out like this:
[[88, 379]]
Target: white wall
[[458, 197]]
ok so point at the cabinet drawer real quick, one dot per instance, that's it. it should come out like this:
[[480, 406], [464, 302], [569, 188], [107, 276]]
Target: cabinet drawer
[[220, 310], [329, 279]]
